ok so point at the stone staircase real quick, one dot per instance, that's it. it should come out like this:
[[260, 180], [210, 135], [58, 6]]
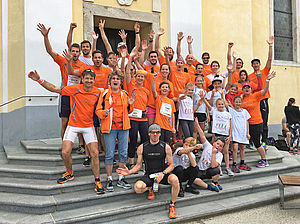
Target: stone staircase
[[29, 192]]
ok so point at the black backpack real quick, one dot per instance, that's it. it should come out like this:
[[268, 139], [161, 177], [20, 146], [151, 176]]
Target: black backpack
[[280, 144]]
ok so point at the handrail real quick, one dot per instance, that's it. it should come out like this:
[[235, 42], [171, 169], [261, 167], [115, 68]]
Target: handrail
[[21, 97]]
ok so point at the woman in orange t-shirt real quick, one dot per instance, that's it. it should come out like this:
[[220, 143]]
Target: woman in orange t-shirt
[[165, 109], [251, 102], [243, 78]]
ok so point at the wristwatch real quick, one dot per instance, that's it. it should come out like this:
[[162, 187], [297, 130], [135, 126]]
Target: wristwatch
[[164, 172]]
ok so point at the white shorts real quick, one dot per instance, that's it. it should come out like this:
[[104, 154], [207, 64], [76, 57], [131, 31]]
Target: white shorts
[[89, 134]]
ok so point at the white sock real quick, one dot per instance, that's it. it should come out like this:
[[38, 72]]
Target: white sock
[[109, 178], [121, 177]]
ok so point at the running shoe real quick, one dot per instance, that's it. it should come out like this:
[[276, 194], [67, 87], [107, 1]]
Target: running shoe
[[244, 167], [65, 177], [123, 184], [109, 185], [181, 193], [191, 189], [151, 195], [229, 172], [219, 186], [212, 187], [291, 151], [261, 164], [86, 162], [235, 169], [98, 188], [296, 152], [80, 149], [172, 212]]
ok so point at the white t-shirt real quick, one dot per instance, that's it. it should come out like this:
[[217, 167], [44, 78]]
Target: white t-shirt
[[216, 96], [221, 122], [221, 76], [186, 108], [239, 125], [205, 160], [183, 159], [196, 99], [87, 61]]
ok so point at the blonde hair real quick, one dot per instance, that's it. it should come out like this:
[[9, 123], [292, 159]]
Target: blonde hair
[[190, 140], [234, 85], [220, 99], [189, 85]]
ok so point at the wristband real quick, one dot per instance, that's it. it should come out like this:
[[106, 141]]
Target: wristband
[[164, 172], [150, 41], [270, 45], [137, 32], [41, 81], [268, 80]]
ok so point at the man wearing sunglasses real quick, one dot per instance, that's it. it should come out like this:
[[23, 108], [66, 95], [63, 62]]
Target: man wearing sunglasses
[[154, 153]]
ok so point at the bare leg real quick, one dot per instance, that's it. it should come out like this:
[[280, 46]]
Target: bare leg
[[242, 151], [226, 155], [140, 187], [200, 183], [64, 124], [66, 154], [262, 152], [93, 147], [109, 169], [173, 180], [215, 178], [234, 152]]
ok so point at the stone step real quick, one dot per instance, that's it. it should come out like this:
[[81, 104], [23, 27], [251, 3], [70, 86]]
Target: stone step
[[51, 173], [50, 187], [126, 205]]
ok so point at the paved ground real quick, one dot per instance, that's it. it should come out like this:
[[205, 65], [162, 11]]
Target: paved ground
[[267, 214]]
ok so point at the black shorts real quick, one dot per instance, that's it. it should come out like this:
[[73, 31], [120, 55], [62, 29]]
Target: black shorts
[[201, 117], [64, 109], [209, 173], [149, 181], [96, 120]]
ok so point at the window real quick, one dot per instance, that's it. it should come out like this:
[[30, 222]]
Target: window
[[283, 30]]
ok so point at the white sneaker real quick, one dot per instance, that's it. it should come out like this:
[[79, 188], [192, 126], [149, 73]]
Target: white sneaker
[[229, 172]]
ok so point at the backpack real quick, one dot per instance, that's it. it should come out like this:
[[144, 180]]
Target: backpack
[[280, 144]]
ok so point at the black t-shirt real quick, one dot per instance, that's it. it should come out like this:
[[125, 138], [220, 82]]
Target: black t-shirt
[[154, 157], [292, 114]]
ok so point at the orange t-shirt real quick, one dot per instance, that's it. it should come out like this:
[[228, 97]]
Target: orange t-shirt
[[179, 80], [206, 81], [240, 87], [235, 76], [162, 60], [165, 109], [159, 80], [117, 107], [206, 68], [252, 105], [65, 79], [264, 74], [156, 68], [82, 104], [101, 79], [142, 96], [190, 69]]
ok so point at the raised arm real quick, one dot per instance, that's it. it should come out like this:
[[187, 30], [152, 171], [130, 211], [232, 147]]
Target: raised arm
[[270, 53], [144, 49], [70, 68], [189, 40], [137, 35], [230, 70], [153, 86], [151, 38], [229, 62], [95, 38], [104, 37], [44, 31], [70, 34], [47, 85], [200, 131], [214, 162], [160, 32], [269, 77], [179, 39]]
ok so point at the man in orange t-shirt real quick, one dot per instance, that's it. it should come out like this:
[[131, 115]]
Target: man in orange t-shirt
[[259, 77], [152, 59], [83, 98]]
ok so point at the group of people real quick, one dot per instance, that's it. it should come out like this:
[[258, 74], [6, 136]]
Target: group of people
[[163, 100]]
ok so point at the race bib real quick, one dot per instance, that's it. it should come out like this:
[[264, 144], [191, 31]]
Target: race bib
[[136, 113], [73, 80], [166, 109]]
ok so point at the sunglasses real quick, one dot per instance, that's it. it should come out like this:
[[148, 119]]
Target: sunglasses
[[155, 132]]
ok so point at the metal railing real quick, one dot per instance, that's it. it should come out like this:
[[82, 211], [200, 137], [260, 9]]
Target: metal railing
[[29, 99]]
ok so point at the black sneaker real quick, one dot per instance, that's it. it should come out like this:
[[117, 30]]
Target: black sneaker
[[181, 193], [123, 183], [109, 185], [86, 162], [213, 187], [191, 190], [80, 149], [65, 177]]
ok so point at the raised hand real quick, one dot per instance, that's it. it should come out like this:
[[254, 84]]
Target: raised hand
[[230, 44], [202, 95], [94, 35], [137, 27], [122, 34], [134, 52], [44, 31], [34, 75], [199, 146], [271, 40], [132, 99], [123, 171], [271, 75], [151, 35], [154, 76], [160, 31], [166, 52], [234, 54], [73, 26], [114, 61], [67, 55], [101, 24], [189, 40], [180, 36]]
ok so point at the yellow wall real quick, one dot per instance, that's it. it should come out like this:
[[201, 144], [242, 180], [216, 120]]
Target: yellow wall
[[137, 5], [16, 51]]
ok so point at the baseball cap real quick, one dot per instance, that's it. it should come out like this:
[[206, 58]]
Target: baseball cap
[[154, 127], [246, 84], [121, 44], [180, 59], [141, 72], [217, 78]]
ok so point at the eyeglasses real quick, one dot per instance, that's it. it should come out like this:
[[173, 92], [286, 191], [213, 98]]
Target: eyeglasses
[[205, 58], [155, 132]]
